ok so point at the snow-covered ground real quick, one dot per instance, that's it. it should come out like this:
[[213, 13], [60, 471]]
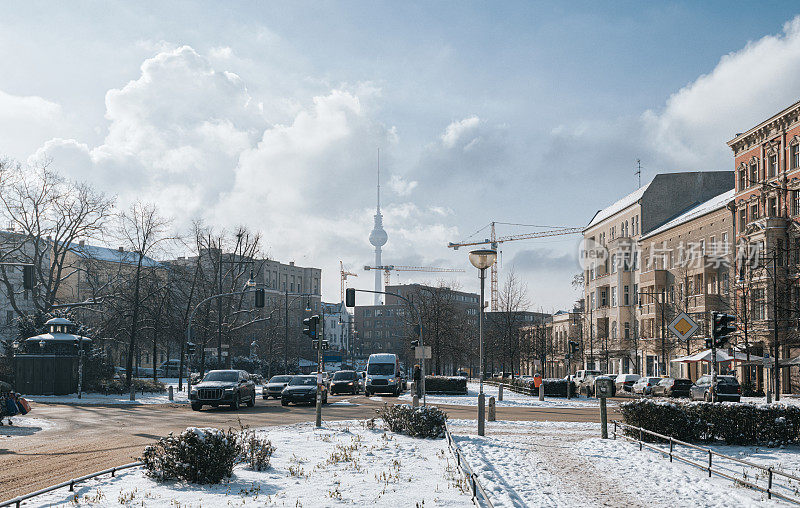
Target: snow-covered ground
[[24, 426], [567, 464], [789, 400], [141, 398], [510, 399], [341, 464]]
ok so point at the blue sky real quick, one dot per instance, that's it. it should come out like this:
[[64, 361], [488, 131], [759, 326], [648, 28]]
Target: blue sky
[[270, 113]]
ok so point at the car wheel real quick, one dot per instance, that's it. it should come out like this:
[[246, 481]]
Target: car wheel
[[252, 401], [366, 393], [235, 403], [284, 402], [196, 407], [266, 397]]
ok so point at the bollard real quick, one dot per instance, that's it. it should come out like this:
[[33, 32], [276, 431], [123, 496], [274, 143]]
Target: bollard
[[481, 413], [415, 400], [499, 393], [171, 395], [492, 412], [769, 397], [541, 391], [133, 392], [603, 419]]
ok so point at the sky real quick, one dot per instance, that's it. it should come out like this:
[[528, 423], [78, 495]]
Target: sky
[[271, 115]]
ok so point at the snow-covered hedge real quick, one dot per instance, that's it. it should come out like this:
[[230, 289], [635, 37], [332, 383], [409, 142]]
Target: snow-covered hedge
[[195, 455], [553, 387], [423, 421], [450, 385], [117, 386], [731, 422]]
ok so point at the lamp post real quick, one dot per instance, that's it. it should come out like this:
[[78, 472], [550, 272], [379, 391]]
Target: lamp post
[[482, 259]]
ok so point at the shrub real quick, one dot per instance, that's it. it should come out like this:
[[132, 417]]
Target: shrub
[[117, 386], [553, 387], [256, 451], [425, 422], [455, 385], [195, 455], [733, 423]]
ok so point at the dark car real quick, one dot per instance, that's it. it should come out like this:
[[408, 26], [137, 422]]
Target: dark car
[[275, 386], [669, 387], [303, 390], [223, 387], [728, 388], [345, 381]]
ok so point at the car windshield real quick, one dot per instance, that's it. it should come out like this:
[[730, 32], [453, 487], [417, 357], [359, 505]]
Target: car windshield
[[345, 374], [682, 382], [221, 375], [654, 380], [303, 381], [280, 379], [380, 369], [592, 372]]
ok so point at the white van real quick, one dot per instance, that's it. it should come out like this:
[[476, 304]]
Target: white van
[[383, 374]]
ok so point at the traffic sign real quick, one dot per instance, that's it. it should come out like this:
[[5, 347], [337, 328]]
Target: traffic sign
[[683, 326], [418, 352]]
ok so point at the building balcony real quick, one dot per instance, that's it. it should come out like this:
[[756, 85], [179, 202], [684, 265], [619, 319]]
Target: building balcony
[[653, 278]]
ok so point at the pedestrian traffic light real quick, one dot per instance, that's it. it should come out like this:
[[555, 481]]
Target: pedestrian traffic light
[[315, 344], [27, 277], [350, 297], [259, 298], [310, 326], [191, 348], [724, 326]]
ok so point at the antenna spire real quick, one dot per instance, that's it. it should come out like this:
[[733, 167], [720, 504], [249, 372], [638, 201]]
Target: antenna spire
[[638, 171], [379, 180]]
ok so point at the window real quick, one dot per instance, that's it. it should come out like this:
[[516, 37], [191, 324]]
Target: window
[[759, 305], [635, 294], [614, 297], [613, 263], [603, 298], [742, 178], [772, 166], [796, 202], [626, 295], [725, 242], [742, 220], [794, 153], [773, 207], [627, 328], [754, 212], [753, 173], [702, 247], [613, 329]]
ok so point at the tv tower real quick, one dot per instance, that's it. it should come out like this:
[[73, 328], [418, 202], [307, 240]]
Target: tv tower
[[378, 237]]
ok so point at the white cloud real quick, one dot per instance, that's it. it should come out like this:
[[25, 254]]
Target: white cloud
[[26, 122], [401, 186], [458, 130], [744, 88]]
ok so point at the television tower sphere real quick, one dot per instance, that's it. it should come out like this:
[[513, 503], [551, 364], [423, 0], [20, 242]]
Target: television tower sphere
[[378, 237]]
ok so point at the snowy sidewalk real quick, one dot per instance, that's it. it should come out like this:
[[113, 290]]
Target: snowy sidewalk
[[510, 399], [90, 398], [567, 464]]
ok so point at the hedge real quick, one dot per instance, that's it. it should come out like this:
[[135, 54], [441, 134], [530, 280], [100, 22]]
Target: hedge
[[731, 422], [455, 385], [424, 421], [195, 455], [117, 386], [553, 387]]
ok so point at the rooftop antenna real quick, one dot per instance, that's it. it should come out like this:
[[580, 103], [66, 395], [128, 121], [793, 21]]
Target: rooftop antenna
[[638, 171]]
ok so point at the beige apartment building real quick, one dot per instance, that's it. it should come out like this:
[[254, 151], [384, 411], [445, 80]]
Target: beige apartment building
[[687, 265], [611, 275], [564, 326]]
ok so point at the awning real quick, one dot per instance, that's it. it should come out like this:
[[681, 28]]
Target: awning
[[722, 357]]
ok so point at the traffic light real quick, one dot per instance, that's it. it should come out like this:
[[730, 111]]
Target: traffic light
[[259, 298], [191, 348], [310, 326], [709, 342], [27, 276], [724, 326], [350, 297], [414, 343], [573, 347]]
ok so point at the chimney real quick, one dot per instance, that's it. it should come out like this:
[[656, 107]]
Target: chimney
[[81, 243], [291, 263], [121, 249]]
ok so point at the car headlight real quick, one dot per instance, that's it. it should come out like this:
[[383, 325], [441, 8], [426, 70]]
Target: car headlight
[[229, 390], [350, 383], [369, 380]]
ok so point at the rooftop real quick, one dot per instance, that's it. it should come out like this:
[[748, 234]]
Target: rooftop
[[112, 255], [713, 204], [617, 207]]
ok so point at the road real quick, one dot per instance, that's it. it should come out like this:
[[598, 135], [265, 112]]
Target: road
[[85, 439]]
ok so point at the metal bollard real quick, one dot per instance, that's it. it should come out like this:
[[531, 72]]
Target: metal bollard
[[171, 395], [415, 401], [499, 392], [133, 392], [541, 391], [492, 410], [481, 410]]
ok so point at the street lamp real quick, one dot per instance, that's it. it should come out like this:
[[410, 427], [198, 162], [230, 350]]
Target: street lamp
[[482, 259]]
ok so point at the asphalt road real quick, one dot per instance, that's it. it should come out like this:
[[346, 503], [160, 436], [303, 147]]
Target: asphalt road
[[85, 439]]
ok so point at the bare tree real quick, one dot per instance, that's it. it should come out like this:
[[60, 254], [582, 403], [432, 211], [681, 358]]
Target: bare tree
[[505, 324]]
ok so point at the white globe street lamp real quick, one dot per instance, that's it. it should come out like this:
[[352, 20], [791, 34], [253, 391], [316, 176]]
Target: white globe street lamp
[[482, 259]]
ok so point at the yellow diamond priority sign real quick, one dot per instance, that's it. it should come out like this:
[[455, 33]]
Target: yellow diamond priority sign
[[683, 326]]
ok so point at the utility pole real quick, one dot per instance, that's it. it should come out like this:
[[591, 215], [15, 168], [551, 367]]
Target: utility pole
[[320, 337], [776, 349], [286, 331], [663, 337]]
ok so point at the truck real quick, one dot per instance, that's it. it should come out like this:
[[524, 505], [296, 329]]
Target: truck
[[383, 374], [584, 381]]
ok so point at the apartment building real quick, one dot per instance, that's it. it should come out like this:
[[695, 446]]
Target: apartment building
[[767, 232], [687, 265], [611, 276], [564, 326], [14, 247]]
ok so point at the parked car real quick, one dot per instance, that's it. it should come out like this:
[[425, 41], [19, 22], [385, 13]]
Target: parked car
[[728, 388], [644, 386], [383, 374], [303, 390], [169, 368], [670, 387], [462, 373], [223, 387], [345, 381], [584, 381], [275, 386], [624, 382]]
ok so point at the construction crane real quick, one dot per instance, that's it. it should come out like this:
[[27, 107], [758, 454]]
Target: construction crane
[[344, 274], [494, 241], [387, 269]]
